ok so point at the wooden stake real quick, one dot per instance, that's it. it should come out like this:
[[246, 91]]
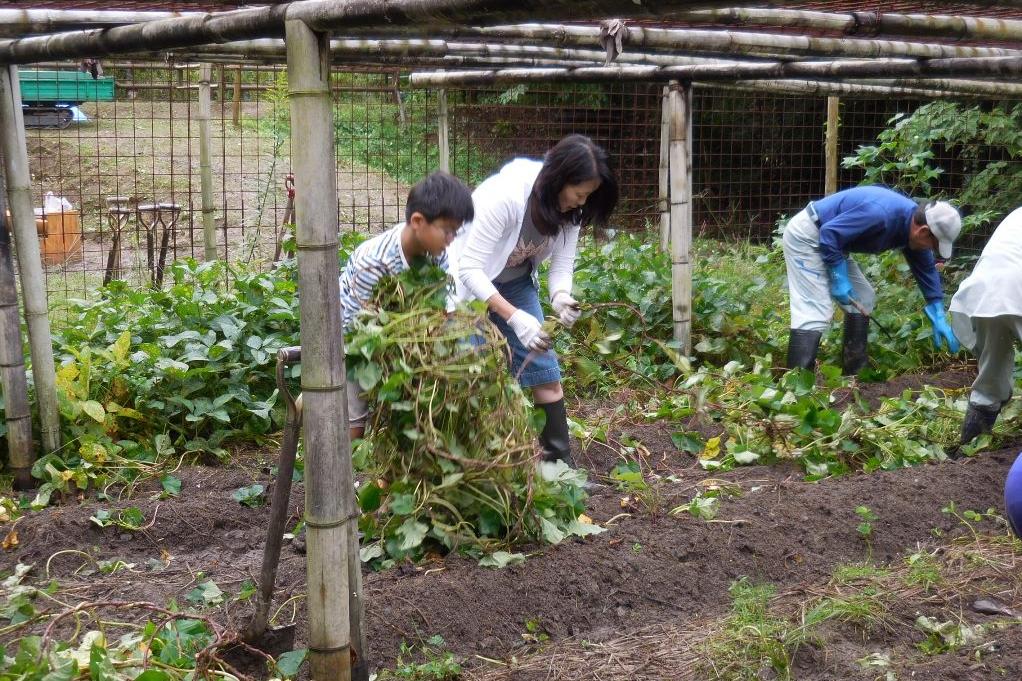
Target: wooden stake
[[33, 282], [833, 110], [205, 164], [443, 139], [330, 509], [13, 381], [663, 199], [681, 211], [236, 102]]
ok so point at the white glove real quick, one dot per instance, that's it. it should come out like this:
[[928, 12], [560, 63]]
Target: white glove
[[529, 331], [566, 307]]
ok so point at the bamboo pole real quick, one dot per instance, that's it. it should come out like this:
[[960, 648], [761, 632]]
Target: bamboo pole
[[13, 382], [851, 68], [823, 88], [730, 42], [21, 22], [411, 48], [33, 291], [663, 200], [681, 211], [329, 503], [443, 131], [868, 23], [830, 156], [320, 15], [205, 164]]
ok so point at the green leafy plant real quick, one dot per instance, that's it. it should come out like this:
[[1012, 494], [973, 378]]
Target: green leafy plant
[[437, 664], [865, 528], [252, 496], [904, 156], [130, 518], [452, 464]]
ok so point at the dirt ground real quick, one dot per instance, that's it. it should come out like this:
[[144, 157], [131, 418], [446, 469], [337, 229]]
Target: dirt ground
[[149, 152], [651, 569]]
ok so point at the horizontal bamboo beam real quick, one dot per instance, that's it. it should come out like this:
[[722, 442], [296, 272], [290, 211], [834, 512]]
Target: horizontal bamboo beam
[[864, 23], [20, 22], [739, 42], [1004, 67], [321, 15], [822, 88], [270, 49]]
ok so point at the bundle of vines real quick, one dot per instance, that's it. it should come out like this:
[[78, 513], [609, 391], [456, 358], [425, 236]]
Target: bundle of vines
[[449, 457]]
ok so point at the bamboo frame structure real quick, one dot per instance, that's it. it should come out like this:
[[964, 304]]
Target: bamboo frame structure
[[831, 153], [680, 98], [320, 15], [205, 164], [13, 382], [14, 150]]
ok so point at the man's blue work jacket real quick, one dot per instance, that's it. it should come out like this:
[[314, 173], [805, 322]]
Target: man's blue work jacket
[[871, 220]]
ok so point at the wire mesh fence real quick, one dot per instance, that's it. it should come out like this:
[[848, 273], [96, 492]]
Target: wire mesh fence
[[129, 163]]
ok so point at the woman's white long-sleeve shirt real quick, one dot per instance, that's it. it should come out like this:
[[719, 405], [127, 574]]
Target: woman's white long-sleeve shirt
[[994, 288], [481, 249]]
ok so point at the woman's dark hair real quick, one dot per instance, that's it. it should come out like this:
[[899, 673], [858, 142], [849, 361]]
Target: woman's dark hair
[[573, 160]]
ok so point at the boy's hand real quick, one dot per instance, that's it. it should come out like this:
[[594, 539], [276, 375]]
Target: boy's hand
[[566, 307], [529, 331]]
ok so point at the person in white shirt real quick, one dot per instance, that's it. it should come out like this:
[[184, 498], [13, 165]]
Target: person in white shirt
[[986, 316], [529, 212]]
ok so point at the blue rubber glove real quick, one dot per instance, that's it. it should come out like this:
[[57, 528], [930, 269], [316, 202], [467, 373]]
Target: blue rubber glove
[[840, 286], [941, 329]]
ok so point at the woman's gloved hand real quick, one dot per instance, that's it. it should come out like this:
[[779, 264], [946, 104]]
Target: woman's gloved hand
[[942, 332], [566, 307], [529, 331]]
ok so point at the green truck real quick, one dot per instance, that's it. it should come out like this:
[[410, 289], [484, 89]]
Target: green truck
[[49, 97]]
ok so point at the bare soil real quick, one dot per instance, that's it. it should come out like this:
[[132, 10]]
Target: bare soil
[[651, 568], [149, 152]]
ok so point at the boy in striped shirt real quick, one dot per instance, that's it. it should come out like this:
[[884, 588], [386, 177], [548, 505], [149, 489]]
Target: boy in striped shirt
[[436, 208]]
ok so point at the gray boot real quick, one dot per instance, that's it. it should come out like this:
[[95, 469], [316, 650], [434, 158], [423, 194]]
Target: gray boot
[[853, 351], [802, 348]]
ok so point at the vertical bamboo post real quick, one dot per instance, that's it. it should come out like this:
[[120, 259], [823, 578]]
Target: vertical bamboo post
[[663, 200], [33, 289], [205, 167], [681, 211], [443, 132], [236, 102], [833, 121], [329, 491], [13, 382]]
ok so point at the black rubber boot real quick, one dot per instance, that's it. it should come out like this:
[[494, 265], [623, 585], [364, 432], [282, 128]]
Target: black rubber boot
[[978, 420], [853, 353], [554, 438], [802, 348]]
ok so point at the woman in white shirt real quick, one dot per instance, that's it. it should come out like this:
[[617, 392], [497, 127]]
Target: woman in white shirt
[[528, 212]]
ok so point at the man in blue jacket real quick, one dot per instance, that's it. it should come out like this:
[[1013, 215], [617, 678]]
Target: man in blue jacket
[[817, 243]]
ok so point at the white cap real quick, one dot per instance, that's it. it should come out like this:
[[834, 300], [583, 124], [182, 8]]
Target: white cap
[[946, 224]]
